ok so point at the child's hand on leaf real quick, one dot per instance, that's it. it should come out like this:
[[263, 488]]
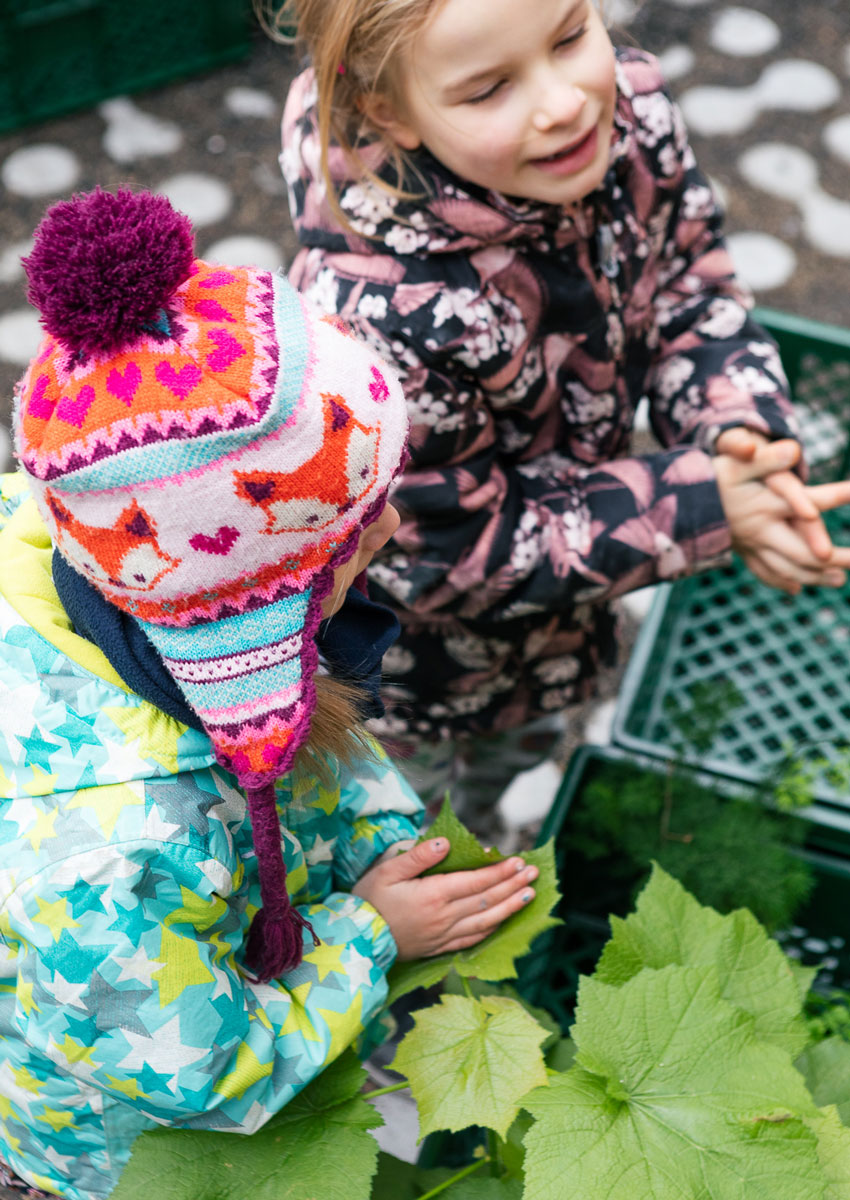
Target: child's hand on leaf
[[774, 518], [440, 914]]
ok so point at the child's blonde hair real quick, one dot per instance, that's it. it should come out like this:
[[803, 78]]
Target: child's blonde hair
[[336, 730], [354, 53]]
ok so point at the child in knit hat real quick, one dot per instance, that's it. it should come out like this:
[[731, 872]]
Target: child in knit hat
[[201, 881]]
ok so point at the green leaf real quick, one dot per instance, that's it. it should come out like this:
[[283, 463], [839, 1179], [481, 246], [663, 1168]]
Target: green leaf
[[397, 1180], [482, 1187], [673, 1097], [804, 977], [511, 1150], [471, 1062], [826, 1070], [833, 1151], [562, 1055], [316, 1148], [466, 852], [495, 957], [457, 985], [670, 927]]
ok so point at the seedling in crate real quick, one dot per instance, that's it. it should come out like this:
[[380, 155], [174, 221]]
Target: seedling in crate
[[704, 836]]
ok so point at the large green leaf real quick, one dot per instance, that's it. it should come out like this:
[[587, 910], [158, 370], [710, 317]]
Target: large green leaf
[[833, 1151], [480, 1187], [669, 926], [316, 1148], [398, 1180], [456, 985], [465, 851], [496, 956], [470, 1062], [673, 1097], [826, 1069]]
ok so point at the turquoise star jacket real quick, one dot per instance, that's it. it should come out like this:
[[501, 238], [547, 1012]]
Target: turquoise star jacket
[[127, 885]]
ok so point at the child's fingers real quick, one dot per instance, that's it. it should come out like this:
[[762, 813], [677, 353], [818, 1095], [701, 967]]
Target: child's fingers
[[772, 457], [491, 898], [816, 537], [795, 494], [789, 570], [460, 885], [471, 930], [413, 862], [783, 582], [786, 538], [830, 495], [839, 556], [740, 443]]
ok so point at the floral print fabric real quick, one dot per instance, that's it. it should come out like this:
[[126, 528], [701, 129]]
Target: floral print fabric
[[14, 1185], [526, 335]]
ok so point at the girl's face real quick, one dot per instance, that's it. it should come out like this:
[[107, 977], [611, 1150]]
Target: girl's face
[[372, 538], [514, 95]]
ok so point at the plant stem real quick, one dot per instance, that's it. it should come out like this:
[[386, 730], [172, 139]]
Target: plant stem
[[666, 835], [441, 1187], [391, 1087], [467, 991], [493, 1146]]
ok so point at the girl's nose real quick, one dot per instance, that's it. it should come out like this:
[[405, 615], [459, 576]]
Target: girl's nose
[[558, 104]]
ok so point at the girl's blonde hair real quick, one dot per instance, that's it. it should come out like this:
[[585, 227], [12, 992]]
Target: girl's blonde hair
[[336, 730], [355, 49]]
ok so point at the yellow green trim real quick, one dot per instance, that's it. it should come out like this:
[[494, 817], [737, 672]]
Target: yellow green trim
[[27, 584]]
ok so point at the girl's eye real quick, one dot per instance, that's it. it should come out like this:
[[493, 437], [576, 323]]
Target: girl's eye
[[571, 37], [482, 96]]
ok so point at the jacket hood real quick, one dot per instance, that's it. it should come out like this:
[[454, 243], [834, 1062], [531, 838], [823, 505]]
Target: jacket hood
[[68, 720], [453, 215]]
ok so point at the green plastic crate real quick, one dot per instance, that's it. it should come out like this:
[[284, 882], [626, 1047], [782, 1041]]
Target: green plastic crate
[[61, 55], [549, 975], [816, 358], [787, 656]]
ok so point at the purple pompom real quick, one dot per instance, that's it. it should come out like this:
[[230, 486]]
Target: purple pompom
[[104, 265]]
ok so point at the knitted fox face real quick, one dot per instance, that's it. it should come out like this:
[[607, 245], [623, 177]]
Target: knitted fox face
[[125, 554], [312, 496]]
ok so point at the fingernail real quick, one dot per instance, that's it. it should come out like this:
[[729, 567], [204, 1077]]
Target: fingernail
[[526, 896], [531, 873], [518, 864], [835, 578], [437, 845]]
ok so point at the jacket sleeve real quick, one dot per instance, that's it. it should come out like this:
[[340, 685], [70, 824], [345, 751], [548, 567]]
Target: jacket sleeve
[[487, 535], [378, 808], [493, 534], [142, 998], [713, 366]]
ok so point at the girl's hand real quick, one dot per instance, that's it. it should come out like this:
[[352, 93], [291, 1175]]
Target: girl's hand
[[443, 913], [774, 519]]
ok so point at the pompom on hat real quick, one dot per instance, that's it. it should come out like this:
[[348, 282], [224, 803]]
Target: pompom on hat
[[206, 451]]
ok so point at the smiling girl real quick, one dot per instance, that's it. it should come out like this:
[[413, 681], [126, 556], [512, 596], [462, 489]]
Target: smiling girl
[[507, 207]]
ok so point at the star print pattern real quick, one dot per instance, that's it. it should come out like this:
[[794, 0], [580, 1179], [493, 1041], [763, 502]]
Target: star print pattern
[[127, 884]]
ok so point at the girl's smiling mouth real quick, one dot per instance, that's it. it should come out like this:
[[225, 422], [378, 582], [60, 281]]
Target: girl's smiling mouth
[[571, 158]]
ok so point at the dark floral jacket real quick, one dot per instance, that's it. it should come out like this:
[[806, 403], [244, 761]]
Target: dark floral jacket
[[526, 335]]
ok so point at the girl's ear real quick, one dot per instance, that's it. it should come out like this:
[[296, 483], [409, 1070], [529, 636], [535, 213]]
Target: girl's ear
[[378, 109]]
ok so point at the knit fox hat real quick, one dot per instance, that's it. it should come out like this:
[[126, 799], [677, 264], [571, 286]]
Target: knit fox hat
[[205, 451]]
